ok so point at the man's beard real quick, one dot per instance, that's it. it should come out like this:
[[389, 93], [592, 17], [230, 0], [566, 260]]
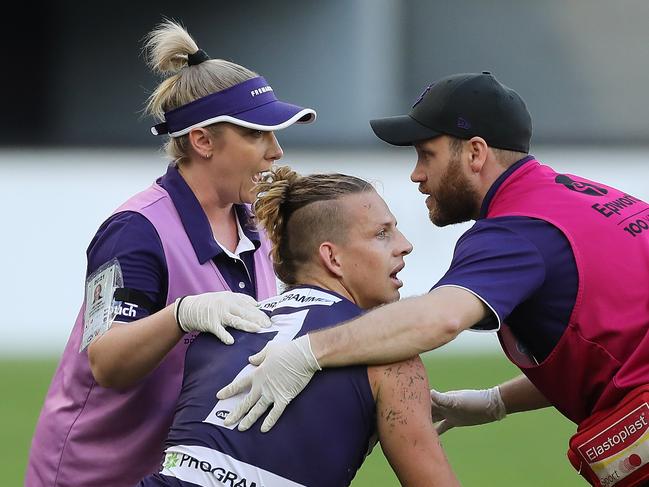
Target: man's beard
[[455, 199]]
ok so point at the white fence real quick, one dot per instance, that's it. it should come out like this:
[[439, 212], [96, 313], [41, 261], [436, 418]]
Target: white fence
[[53, 202]]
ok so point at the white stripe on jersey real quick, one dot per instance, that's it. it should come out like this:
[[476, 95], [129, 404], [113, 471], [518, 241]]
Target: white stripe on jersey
[[298, 298], [211, 468]]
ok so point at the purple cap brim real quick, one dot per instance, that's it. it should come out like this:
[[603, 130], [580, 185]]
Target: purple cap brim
[[251, 104]]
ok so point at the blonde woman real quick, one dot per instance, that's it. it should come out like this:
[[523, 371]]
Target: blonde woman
[[179, 257]]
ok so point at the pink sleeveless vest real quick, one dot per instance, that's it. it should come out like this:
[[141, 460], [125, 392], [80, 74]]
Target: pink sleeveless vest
[[604, 351], [89, 435]]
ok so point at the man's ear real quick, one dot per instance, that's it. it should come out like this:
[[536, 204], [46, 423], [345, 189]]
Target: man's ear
[[330, 258], [478, 151]]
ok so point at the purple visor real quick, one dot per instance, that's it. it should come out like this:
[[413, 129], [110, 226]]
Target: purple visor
[[250, 104]]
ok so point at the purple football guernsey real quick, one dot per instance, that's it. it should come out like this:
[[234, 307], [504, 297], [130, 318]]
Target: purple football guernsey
[[321, 441], [90, 435]]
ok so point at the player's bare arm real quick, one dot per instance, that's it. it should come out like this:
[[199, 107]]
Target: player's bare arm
[[406, 433]]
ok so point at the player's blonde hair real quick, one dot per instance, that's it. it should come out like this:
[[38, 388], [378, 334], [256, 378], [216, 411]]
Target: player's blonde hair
[[166, 49], [300, 212]]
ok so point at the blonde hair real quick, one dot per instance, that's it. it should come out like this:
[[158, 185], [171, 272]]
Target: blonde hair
[[166, 49], [300, 212]]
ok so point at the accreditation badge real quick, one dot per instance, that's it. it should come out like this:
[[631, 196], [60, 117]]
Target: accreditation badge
[[100, 310]]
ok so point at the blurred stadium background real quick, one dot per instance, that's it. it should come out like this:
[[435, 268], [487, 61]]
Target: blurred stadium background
[[73, 146]]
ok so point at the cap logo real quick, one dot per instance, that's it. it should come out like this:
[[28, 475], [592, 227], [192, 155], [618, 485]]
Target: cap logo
[[463, 123], [423, 94]]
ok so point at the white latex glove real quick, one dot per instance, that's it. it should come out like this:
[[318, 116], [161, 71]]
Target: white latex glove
[[284, 370], [466, 408], [212, 312]]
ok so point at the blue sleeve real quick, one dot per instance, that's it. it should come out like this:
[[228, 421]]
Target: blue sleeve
[[500, 266], [133, 241]]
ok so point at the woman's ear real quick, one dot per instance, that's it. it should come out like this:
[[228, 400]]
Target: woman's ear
[[201, 143]]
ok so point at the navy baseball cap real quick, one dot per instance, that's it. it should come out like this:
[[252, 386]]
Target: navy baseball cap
[[250, 104], [463, 106]]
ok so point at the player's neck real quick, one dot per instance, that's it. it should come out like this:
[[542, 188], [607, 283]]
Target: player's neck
[[325, 282]]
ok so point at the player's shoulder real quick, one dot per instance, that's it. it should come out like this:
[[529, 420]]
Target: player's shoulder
[[406, 373]]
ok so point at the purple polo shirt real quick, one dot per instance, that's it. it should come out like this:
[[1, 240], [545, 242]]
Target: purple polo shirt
[[132, 239], [523, 269]]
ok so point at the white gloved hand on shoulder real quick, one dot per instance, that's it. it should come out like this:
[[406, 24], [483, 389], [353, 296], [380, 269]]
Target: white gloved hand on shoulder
[[284, 370], [212, 312]]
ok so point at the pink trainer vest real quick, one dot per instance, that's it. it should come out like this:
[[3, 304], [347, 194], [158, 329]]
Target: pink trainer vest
[[604, 351], [89, 435]]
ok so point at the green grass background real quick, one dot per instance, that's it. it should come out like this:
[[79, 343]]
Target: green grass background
[[523, 450]]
